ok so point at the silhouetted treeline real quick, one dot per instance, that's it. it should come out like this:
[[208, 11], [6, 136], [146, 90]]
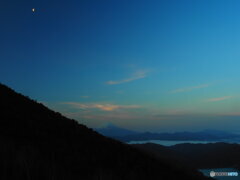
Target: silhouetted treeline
[[201, 156], [40, 144]]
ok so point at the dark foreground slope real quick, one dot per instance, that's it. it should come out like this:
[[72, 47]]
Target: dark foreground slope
[[40, 144], [201, 156]]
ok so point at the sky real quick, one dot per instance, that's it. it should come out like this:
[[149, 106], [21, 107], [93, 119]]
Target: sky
[[147, 65]]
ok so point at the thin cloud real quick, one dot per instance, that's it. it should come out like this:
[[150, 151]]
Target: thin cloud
[[231, 114], [112, 115], [103, 107], [137, 75], [187, 89], [219, 99]]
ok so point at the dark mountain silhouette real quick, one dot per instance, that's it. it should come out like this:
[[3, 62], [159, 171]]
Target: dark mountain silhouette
[[112, 130], [40, 144], [200, 156], [219, 134], [207, 135]]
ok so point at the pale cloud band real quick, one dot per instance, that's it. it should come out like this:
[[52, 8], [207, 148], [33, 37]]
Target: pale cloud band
[[187, 89], [237, 114], [219, 99], [137, 75], [101, 106]]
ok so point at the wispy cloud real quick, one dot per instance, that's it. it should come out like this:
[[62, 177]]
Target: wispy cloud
[[219, 99], [112, 115], [231, 114], [101, 106], [140, 74], [187, 89]]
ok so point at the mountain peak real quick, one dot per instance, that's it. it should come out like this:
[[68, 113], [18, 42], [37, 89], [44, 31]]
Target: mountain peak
[[112, 130]]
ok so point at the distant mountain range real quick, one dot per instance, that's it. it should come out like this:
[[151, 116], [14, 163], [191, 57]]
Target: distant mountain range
[[125, 135], [111, 130], [40, 144]]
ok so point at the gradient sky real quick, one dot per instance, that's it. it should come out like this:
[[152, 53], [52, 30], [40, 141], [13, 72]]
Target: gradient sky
[[141, 64]]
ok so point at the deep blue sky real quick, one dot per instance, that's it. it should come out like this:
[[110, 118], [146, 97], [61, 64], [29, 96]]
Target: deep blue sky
[[146, 65]]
